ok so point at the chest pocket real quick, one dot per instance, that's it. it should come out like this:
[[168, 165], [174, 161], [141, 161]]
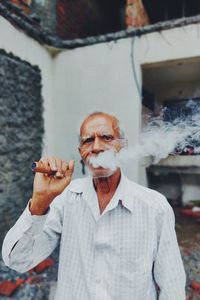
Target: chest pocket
[[136, 266], [136, 275]]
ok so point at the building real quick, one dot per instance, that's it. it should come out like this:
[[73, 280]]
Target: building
[[68, 73]]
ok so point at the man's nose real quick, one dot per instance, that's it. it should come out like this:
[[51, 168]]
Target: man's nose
[[97, 145]]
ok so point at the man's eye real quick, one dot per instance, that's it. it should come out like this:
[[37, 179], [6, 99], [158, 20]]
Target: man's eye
[[87, 141], [107, 138]]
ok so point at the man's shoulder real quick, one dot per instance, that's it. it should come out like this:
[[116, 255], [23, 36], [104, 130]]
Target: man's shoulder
[[148, 197], [77, 185]]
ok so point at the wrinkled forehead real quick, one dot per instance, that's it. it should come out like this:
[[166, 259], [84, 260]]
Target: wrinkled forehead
[[99, 124]]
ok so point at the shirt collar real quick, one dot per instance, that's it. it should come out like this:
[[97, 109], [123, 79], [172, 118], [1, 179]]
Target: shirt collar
[[121, 195], [125, 193]]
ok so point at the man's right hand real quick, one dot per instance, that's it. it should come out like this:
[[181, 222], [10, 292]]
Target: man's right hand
[[47, 187]]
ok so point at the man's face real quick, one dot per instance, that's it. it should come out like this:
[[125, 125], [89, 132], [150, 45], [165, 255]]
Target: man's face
[[98, 133]]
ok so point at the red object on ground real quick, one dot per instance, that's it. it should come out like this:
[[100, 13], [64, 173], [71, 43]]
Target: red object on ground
[[196, 214], [189, 297], [30, 271], [187, 251], [19, 281], [195, 285], [8, 287], [44, 265], [190, 213], [33, 279], [187, 212]]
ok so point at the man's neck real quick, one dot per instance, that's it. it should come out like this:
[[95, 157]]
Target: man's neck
[[105, 185], [105, 188]]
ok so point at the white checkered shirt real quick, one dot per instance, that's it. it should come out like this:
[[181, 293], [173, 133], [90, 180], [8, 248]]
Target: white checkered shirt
[[122, 254]]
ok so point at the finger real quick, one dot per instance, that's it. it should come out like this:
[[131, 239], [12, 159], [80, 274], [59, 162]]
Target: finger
[[44, 159], [69, 172], [59, 168], [71, 167], [43, 163], [52, 163], [64, 167]]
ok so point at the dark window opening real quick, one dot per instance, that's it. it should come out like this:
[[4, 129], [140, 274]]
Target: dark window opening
[[80, 19], [167, 10], [71, 19], [179, 109], [114, 14]]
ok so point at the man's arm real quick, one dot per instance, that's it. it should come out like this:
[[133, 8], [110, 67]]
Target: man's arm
[[33, 238], [36, 233], [169, 272]]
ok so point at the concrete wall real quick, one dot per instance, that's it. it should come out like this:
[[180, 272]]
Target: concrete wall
[[177, 43], [98, 77], [101, 77], [167, 47], [79, 81]]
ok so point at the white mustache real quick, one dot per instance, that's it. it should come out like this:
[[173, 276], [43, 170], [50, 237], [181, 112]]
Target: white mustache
[[107, 160]]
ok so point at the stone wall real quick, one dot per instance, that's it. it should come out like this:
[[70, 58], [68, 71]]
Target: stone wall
[[21, 132]]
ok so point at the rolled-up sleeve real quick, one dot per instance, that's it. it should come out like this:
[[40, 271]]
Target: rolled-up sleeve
[[169, 272], [33, 238]]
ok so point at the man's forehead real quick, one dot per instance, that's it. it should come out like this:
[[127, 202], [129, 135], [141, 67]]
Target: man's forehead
[[98, 123]]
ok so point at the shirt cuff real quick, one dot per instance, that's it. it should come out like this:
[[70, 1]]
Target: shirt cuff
[[32, 223], [26, 224]]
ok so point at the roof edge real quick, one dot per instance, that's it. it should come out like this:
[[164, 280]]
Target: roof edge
[[33, 29]]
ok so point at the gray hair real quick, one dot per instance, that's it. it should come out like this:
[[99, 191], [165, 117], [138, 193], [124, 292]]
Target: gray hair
[[95, 113]]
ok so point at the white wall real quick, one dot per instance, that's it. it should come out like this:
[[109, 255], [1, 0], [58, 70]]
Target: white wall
[[98, 77], [77, 82], [168, 46], [177, 43], [25, 48]]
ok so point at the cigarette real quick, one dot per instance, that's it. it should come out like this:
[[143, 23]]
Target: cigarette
[[40, 168]]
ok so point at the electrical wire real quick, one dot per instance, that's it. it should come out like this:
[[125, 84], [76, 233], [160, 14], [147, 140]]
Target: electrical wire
[[139, 88]]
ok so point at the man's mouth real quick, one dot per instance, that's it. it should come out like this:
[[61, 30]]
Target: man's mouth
[[104, 160]]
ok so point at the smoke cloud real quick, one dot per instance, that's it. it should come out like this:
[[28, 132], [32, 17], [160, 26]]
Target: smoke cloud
[[158, 139]]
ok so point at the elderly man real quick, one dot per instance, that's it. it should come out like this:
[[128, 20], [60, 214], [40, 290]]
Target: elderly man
[[117, 238]]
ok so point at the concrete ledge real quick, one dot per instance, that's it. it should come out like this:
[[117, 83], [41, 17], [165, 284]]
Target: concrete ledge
[[33, 28], [181, 161]]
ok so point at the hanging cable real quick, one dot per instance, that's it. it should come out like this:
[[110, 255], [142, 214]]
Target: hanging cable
[[139, 88]]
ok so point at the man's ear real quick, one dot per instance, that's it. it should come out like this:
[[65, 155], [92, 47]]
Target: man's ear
[[123, 143]]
